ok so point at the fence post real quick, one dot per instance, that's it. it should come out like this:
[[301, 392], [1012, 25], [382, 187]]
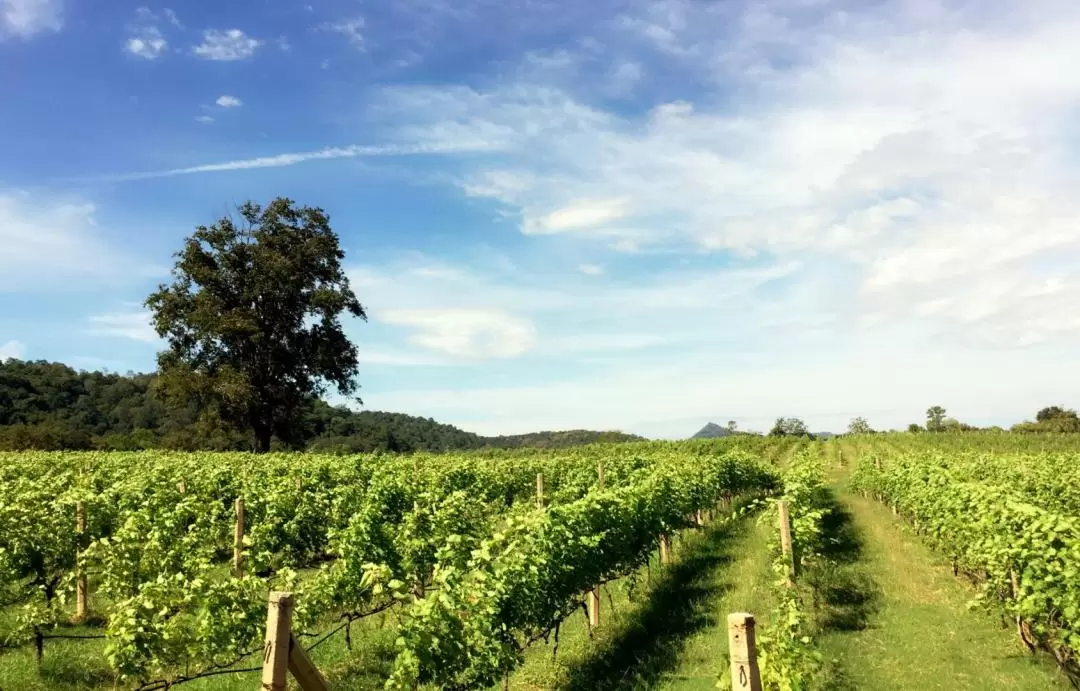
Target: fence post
[[80, 572], [665, 548], [600, 474], [238, 540], [785, 539], [594, 607], [540, 490], [182, 486], [742, 643], [278, 638]]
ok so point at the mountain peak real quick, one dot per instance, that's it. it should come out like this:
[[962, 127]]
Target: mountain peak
[[712, 431]]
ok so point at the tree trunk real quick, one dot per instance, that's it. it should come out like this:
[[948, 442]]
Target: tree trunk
[[263, 434]]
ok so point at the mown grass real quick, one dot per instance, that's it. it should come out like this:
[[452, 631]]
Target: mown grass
[[894, 617], [673, 633]]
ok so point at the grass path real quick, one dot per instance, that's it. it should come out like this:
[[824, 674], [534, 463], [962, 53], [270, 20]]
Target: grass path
[[898, 618], [674, 633]]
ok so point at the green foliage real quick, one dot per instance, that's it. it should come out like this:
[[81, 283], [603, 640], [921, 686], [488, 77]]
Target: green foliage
[[48, 406], [788, 655], [935, 419], [859, 425], [350, 535], [1053, 419], [252, 319], [914, 428], [789, 427], [1006, 519]]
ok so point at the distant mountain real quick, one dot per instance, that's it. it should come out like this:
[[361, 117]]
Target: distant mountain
[[712, 431]]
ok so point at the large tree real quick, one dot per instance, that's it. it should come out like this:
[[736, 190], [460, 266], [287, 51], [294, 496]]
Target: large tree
[[935, 419], [252, 319], [789, 427], [859, 425]]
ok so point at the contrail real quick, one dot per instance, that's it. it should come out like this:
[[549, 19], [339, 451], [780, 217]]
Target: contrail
[[290, 159]]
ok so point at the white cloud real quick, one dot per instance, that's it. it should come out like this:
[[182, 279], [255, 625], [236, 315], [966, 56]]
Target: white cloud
[[149, 46], [132, 325], [51, 243], [591, 269], [27, 18], [291, 159], [229, 101], [349, 28], [232, 44], [147, 40], [468, 333], [921, 153], [204, 119], [579, 214], [12, 350]]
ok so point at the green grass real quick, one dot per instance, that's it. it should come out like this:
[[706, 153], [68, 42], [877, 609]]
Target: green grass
[[894, 616], [673, 634]]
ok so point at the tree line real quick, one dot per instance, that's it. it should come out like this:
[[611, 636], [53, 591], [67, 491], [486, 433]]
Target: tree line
[[50, 406]]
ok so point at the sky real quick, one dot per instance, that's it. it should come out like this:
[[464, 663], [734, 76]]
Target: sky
[[559, 214]]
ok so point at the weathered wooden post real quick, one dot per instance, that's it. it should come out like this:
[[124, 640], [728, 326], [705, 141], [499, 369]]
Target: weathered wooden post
[[282, 653], [540, 490], [785, 539], [275, 669], [594, 594], [742, 644], [182, 486], [665, 548], [80, 572], [238, 540]]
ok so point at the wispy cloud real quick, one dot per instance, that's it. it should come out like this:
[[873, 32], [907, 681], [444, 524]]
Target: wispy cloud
[[132, 325], [50, 243], [204, 119], [12, 349], [231, 44], [27, 18], [291, 159], [146, 39], [854, 137], [467, 333], [349, 28]]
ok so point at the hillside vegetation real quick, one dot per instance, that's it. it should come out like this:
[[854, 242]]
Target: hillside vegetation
[[46, 405]]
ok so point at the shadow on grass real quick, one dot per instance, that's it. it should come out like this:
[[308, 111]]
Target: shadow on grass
[[683, 601], [846, 596]]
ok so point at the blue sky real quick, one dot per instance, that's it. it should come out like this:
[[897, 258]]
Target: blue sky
[[620, 215]]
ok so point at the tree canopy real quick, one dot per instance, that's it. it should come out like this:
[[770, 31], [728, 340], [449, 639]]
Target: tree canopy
[[789, 427], [859, 425], [935, 419], [45, 405], [252, 320]]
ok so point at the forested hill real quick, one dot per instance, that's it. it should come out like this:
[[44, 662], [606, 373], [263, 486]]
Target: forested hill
[[52, 406]]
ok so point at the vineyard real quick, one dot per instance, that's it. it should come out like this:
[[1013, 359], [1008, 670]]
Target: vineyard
[[153, 569]]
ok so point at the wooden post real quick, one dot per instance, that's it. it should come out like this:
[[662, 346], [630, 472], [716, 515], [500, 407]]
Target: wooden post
[[742, 644], [594, 607], [299, 483], [181, 486], [540, 490], [276, 651], [238, 540], [305, 672], [600, 474], [80, 573], [665, 549], [785, 539]]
